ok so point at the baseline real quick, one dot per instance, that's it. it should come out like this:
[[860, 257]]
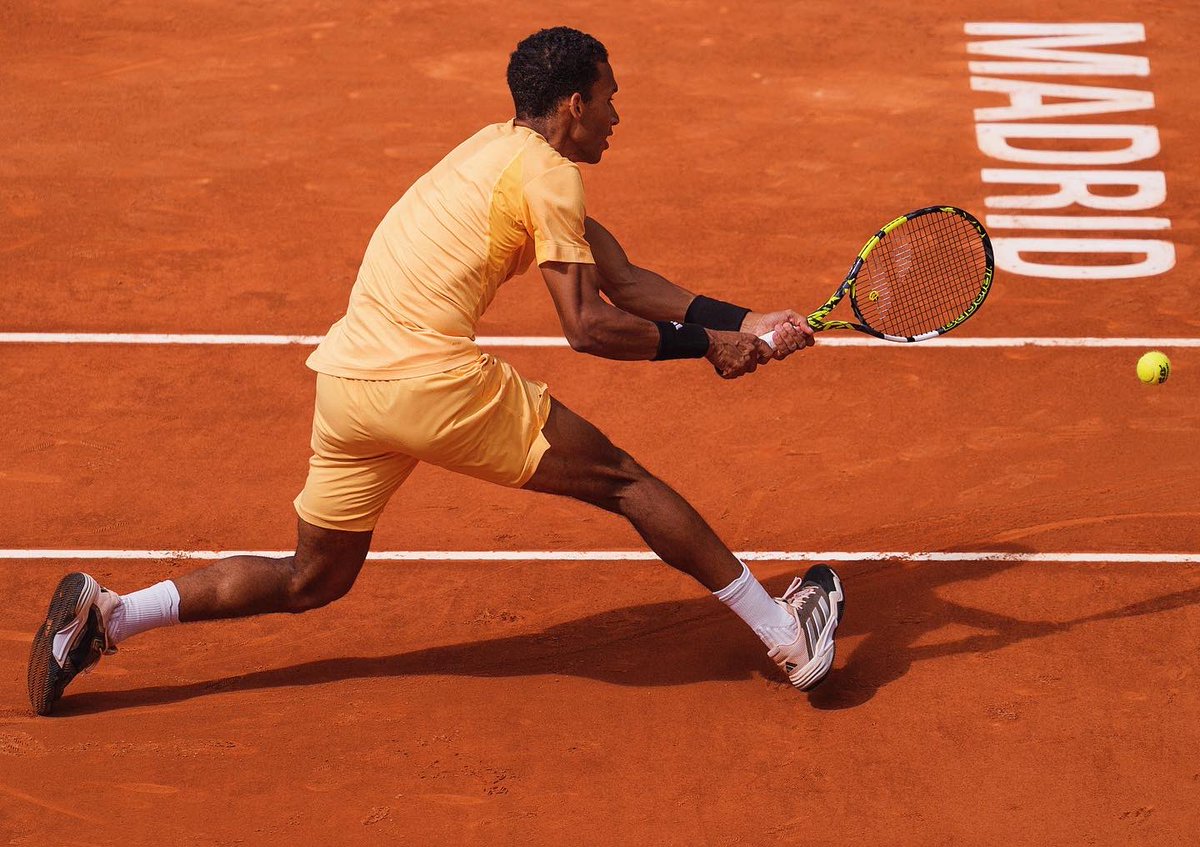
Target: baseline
[[631, 555], [558, 341]]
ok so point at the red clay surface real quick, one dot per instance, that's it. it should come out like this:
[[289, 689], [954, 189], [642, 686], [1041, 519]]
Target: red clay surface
[[219, 169]]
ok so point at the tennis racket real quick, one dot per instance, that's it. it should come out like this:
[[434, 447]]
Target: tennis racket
[[919, 277]]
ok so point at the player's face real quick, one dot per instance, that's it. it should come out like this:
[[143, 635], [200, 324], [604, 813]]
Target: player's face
[[597, 118]]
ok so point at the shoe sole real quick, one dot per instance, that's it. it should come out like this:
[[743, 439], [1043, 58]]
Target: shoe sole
[[818, 667], [71, 604]]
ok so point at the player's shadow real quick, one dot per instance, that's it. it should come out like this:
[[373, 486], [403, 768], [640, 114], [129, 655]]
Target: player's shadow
[[893, 608]]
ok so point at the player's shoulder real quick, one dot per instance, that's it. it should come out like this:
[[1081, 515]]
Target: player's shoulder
[[514, 150], [522, 169]]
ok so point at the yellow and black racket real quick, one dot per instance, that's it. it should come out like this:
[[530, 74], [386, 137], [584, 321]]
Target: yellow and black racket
[[919, 277]]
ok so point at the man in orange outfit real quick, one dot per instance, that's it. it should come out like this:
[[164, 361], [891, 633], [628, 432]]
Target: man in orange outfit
[[400, 380]]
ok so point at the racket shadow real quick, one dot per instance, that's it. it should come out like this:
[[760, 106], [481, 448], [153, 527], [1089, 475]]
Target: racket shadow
[[896, 608]]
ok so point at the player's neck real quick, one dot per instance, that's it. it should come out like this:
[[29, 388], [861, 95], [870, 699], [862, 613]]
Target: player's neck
[[556, 132]]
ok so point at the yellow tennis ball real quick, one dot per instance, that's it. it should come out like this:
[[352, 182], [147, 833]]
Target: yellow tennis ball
[[1154, 367]]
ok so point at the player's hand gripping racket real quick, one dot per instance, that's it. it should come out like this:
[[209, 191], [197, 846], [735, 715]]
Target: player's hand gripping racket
[[919, 277]]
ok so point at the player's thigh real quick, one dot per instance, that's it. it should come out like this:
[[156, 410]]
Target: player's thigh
[[581, 461], [353, 471]]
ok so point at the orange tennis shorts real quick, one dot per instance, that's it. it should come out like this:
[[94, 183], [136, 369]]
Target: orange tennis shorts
[[481, 419]]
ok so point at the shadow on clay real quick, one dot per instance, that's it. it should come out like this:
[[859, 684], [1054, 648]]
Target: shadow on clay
[[689, 641], [902, 607]]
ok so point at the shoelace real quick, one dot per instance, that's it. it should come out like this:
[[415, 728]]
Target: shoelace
[[801, 595]]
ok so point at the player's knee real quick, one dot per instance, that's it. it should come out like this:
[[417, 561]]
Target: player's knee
[[306, 594], [628, 471], [311, 588], [620, 476]]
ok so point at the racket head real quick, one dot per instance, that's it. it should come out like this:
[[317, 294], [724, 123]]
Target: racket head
[[922, 275]]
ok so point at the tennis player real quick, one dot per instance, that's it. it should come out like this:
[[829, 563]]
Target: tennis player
[[400, 380]]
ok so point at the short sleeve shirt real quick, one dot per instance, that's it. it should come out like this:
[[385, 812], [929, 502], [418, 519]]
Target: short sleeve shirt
[[498, 201]]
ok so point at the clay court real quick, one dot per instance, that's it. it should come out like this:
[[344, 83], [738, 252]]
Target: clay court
[[1015, 520]]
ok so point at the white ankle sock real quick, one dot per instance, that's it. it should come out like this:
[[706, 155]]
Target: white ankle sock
[[746, 596], [151, 607]]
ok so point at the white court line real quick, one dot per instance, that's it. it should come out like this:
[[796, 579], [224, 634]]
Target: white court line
[[629, 555], [194, 338], [828, 339]]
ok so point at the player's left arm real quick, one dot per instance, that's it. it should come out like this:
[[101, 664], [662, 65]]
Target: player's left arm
[[649, 295], [632, 289]]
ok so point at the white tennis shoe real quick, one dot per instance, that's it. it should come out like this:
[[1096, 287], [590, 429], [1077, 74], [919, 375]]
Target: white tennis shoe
[[816, 602]]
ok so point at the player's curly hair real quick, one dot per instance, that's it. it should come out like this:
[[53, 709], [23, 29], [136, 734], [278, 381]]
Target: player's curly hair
[[550, 65]]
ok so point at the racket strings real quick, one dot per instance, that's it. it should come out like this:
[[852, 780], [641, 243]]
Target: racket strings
[[921, 276]]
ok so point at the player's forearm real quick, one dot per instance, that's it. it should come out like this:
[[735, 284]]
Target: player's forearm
[[602, 330], [649, 295], [610, 333], [595, 326], [632, 289]]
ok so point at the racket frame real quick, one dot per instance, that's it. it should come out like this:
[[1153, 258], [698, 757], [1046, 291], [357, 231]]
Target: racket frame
[[817, 321]]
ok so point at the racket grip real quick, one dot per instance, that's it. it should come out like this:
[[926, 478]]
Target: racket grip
[[769, 338]]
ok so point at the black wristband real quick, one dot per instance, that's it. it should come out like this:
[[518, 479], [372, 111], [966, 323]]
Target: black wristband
[[680, 341], [715, 314]]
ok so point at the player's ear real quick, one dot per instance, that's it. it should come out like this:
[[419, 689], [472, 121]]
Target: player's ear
[[575, 105]]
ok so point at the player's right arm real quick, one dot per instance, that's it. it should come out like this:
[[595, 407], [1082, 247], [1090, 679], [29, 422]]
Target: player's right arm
[[593, 325]]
